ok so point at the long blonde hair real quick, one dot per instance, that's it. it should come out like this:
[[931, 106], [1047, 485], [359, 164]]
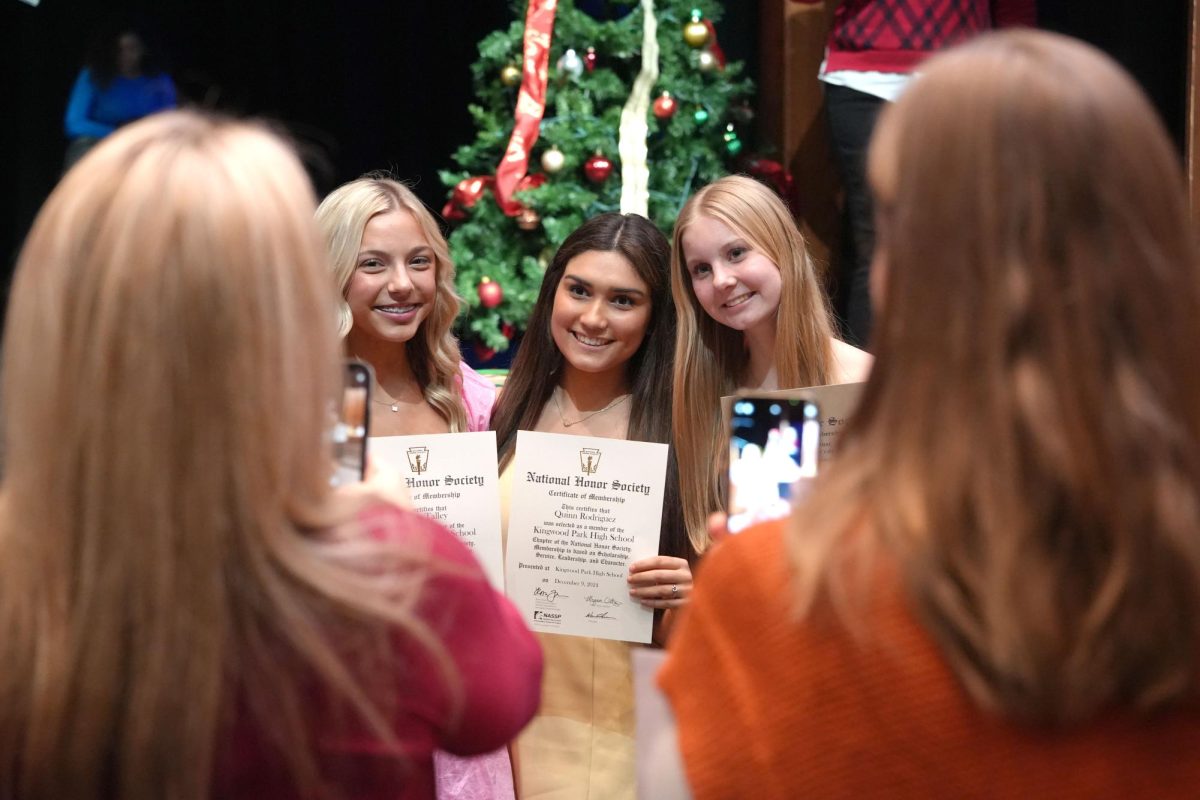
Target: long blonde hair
[[433, 353], [169, 366], [710, 357], [1027, 447]]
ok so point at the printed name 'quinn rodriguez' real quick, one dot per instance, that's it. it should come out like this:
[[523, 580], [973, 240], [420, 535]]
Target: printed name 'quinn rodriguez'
[[587, 483]]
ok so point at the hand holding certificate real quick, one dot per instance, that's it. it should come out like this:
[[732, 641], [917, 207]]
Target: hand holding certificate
[[583, 509]]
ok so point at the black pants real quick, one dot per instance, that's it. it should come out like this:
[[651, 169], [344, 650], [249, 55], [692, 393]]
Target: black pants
[[852, 116]]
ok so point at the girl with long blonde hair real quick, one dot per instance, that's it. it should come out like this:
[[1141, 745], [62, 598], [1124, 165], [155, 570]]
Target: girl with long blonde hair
[[189, 610], [752, 315], [392, 267], [994, 591]]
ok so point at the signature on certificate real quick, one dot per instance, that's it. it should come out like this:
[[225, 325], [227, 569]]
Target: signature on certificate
[[549, 594], [593, 600], [598, 615]]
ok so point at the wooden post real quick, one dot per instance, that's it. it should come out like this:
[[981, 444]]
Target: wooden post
[[791, 113], [1193, 110]]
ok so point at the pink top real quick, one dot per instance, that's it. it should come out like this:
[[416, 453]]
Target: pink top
[[499, 666], [479, 395]]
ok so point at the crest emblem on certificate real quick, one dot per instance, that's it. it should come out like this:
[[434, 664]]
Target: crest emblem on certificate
[[418, 459], [589, 460]]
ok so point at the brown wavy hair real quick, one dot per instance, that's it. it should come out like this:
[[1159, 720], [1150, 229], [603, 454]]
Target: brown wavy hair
[[1027, 447], [710, 357], [433, 353]]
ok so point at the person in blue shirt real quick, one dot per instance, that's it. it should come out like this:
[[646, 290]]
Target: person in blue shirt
[[120, 83]]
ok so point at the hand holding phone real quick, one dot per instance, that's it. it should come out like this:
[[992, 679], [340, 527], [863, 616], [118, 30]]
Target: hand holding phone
[[773, 444], [353, 422]]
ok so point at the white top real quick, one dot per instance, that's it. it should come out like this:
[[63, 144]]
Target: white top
[[887, 85]]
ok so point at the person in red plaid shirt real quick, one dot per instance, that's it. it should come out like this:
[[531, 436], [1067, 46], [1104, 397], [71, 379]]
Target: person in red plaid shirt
[[874, 48]]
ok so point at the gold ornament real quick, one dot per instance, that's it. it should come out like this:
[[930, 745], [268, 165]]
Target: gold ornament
[[510, 75], [706, 61], [695, 33], [528, 219]]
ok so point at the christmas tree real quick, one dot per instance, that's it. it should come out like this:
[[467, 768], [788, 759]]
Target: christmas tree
[[601, 98]]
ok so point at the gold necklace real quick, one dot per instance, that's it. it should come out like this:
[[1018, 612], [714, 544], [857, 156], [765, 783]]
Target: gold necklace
[[563, 419], [394, 405]]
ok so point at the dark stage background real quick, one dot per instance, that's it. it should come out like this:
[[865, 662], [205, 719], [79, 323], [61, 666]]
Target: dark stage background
[[368, 84], [374, 84]]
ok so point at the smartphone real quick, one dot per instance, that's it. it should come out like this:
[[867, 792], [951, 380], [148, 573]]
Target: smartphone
[[352, 420], [773, 444]]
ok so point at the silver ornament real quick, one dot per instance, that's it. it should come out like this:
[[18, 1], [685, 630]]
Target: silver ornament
[[570, 64]]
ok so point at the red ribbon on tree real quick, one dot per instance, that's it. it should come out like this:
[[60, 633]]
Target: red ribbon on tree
[[713, 45], [531, 104], [468, 191]]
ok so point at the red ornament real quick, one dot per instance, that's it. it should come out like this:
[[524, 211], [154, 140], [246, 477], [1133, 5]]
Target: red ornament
[[589, 59], [507, 330], [490, 293], [597, 168], [466, 194], [665, 106], [469, 190], [774, 175], [483, 353]]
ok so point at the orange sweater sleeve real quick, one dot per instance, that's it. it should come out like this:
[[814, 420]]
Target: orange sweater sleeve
[[711, 675]]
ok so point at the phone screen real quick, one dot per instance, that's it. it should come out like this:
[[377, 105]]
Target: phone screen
[[773, 443], [350, 427]]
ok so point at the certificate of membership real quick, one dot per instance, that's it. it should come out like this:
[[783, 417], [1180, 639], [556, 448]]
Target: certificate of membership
[[583, 508], [451, 477]]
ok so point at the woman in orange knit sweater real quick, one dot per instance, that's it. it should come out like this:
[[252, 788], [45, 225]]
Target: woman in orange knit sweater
[[995, 590]]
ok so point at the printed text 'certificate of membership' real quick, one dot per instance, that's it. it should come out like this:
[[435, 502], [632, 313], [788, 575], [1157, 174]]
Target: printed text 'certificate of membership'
[[583, 508]]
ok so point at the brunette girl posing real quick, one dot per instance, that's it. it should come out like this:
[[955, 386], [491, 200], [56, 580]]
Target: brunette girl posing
[[596, 361]]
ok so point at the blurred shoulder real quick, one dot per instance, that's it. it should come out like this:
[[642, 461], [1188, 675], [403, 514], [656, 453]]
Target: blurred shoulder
[[850, 365], [390, 524]]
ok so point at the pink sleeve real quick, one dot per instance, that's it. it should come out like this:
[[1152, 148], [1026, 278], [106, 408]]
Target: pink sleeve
[[1010, 13], [498, 660], [479, 395]]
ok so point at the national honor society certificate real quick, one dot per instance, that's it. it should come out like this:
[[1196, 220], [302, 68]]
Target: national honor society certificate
[[451, 477], [583, 508]]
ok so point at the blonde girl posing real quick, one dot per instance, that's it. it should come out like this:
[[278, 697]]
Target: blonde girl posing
[[752, 315], [393, 270], [392, 267]]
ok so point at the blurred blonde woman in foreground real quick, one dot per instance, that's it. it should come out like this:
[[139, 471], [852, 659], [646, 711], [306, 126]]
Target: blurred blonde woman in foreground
[[188, 610], [995, 589]]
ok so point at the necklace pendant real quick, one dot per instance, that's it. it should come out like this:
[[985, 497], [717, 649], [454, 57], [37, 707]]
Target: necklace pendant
[[395, 407]]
